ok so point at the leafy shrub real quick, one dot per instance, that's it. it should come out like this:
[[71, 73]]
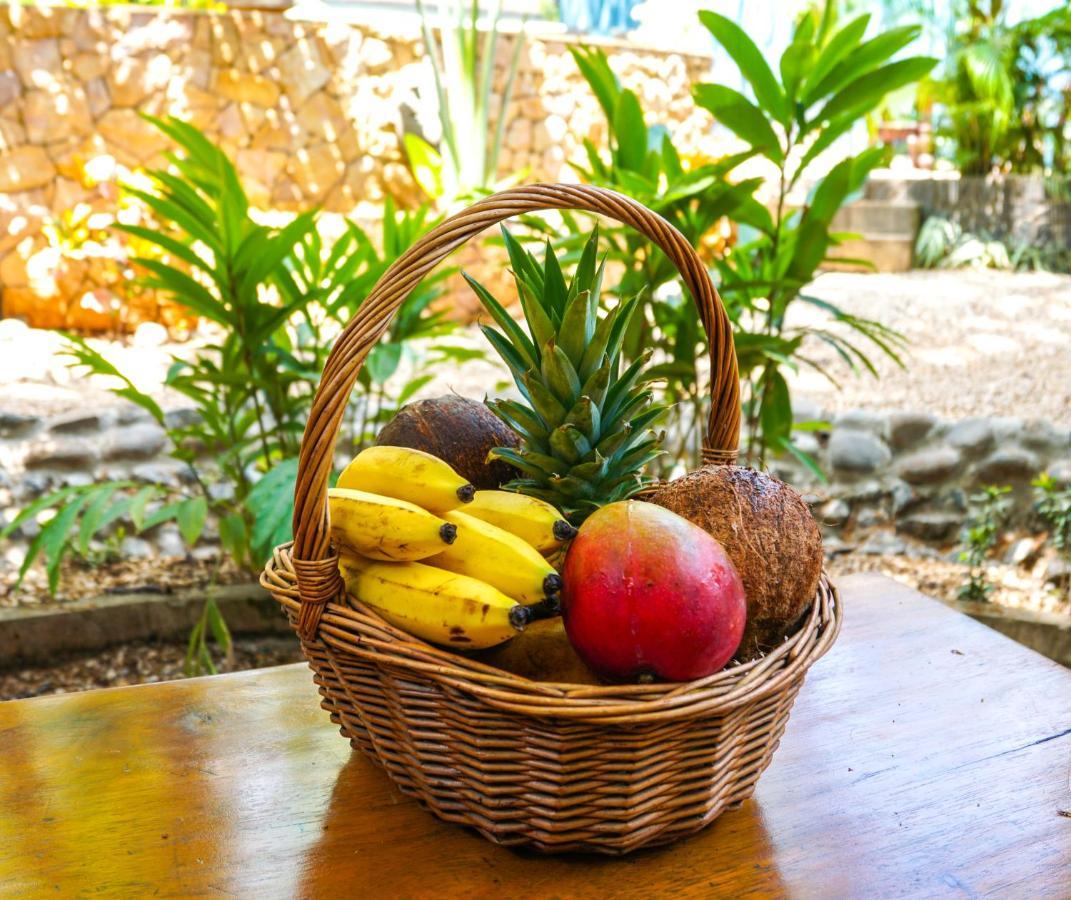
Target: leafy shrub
[[989, 508], [1054, 504], [463, 66], [642, 161], [275, 299], [1003, 104], [829, 80], [943, 244]]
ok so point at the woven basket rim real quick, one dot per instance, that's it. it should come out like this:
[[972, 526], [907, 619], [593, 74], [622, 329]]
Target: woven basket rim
[[739, 684]]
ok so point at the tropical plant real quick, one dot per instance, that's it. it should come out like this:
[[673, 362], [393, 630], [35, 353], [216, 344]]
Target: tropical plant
[[943, 244], [463, 66], [275, 298], [829, 78], [697, 197], [989, 508], [1004, 107], [583, 421], [1054, 505]]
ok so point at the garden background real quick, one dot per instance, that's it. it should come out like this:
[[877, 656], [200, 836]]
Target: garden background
[[193, 202]]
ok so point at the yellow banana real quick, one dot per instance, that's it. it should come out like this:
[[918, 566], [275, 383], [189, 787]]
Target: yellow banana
[[385, 528], [407, 474], [439, 606], [532, 520], [503, 560]]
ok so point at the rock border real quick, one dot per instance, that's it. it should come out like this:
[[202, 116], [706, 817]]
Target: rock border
[[31, 636]]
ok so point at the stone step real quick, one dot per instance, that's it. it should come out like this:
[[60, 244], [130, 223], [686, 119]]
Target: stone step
[[879, 217], [888, 253]]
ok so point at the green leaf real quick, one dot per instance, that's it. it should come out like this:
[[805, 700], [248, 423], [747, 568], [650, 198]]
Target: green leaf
[[559, 375], [623, 313], [186, 291], [55, 538], [524, 347], [100, 513], [270, 506], [506, 350], [548, 406], [382, 361], [776, 410], [788, 446], [554, 289], [630, 133], [861, 60], [138, 502], [750, 61], [217, 625], [232, 536], [539, 465], [829, 133], [839, 46], [412, 386], [795, 62], [595, 67], [574, 335], [191, 517], [863, 94], [740, 116], [522, 262], [167, 243], [569, 443], [585, 416], [523, 421], [426, 164]]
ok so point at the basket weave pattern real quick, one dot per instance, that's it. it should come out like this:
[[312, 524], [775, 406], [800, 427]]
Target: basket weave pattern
[[554, 766]]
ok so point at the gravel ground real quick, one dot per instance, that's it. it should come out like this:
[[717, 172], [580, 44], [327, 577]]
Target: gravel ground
[[140, 663], [980, 343]]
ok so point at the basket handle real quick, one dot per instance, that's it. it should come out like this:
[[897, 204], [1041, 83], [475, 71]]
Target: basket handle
[[318, 580]]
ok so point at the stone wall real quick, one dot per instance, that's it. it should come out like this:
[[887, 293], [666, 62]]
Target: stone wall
[[1012, 207], [910, 475], [312, 113]]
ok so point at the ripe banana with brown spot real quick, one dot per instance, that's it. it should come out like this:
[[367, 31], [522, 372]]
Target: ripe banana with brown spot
[[407, 474], [503, 560], [532, 520], [384, 528], [439, 606]]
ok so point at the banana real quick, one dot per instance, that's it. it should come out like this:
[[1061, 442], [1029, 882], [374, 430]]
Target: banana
[[385, 528], [439, 606], [532, 520], [503, 560], [406, 474]]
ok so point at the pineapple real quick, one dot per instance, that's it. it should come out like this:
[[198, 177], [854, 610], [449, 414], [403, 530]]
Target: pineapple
[[583, 422]]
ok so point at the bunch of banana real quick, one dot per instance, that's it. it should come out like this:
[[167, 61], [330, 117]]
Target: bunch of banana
[[439, 606], [407, 474], [469, 579], [532, 520]]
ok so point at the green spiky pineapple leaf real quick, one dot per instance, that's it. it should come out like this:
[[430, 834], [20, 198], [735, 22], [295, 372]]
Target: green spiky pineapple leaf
[[584, 428]]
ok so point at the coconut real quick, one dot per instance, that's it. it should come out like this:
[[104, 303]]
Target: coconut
[[460, 432], [770, 535]]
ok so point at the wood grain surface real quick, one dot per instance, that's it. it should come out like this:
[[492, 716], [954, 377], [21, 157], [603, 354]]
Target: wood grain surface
[[926, 756]]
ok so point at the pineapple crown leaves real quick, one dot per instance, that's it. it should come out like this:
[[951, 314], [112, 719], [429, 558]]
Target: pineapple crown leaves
[[583, 422]]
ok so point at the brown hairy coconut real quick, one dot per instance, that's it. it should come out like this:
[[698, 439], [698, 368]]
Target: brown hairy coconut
[[770, 535], [460, 432]]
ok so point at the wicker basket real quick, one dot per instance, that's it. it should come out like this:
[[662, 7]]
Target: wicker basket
[[556, 767]]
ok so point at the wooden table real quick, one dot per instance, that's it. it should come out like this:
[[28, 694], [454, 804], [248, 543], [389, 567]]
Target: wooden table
[[926, 756]]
